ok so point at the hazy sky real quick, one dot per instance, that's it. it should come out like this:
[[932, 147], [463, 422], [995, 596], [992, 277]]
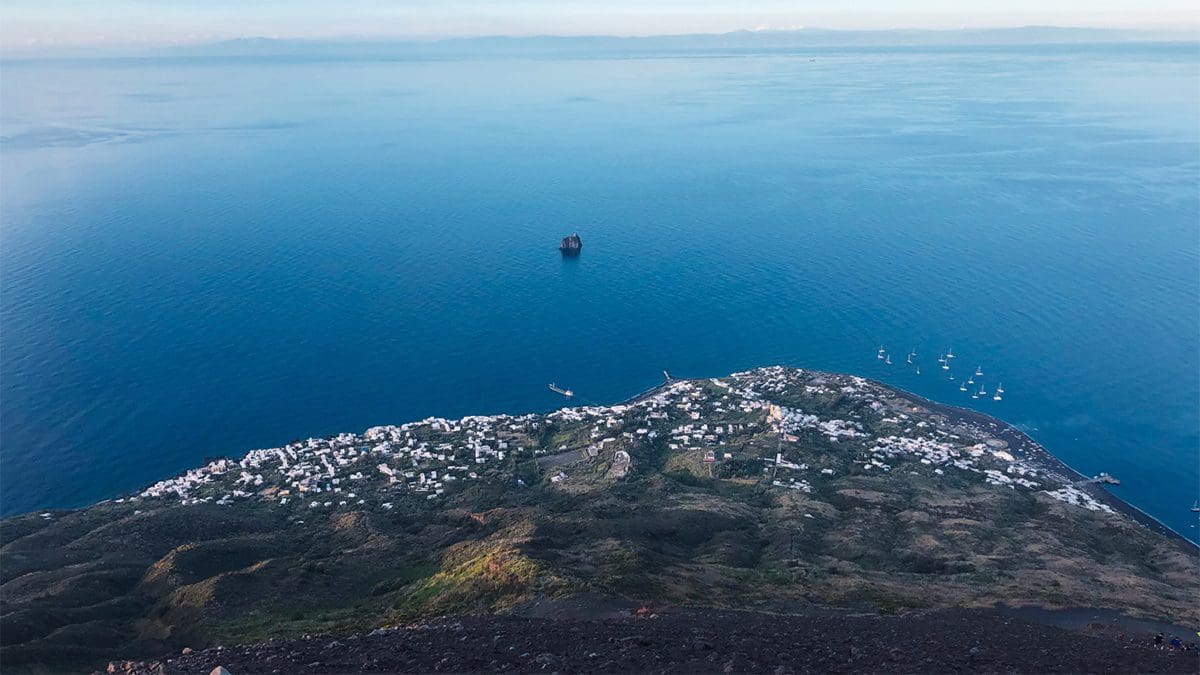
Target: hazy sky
[[71, 22]]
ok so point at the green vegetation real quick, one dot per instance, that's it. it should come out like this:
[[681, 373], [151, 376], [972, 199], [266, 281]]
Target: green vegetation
[[141, 578]]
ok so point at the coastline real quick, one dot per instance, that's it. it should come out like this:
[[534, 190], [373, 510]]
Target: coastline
[[1022, 443], [913, 506], [1018, 441]]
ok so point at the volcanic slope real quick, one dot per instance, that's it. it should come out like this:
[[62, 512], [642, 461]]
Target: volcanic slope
[[776, 489]]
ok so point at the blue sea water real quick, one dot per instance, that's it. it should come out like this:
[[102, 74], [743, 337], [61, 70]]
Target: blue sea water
[[203, 256]]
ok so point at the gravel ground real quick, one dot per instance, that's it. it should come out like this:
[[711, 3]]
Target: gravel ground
[[700, 641]]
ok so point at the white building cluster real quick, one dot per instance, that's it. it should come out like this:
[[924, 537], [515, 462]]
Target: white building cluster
[[421, 457], [1076, 497], [754, 413]]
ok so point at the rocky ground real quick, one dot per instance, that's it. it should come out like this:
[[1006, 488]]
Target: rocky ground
[[701, 641], [773, 490]]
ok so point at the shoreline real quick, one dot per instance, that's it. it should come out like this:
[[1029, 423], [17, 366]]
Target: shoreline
[[1018, 441], [1022, 443]]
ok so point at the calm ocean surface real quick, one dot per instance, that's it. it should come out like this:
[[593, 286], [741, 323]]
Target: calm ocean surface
[[201, 257]]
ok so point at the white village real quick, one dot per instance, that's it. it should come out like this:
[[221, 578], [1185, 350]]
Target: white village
[[770, 424]]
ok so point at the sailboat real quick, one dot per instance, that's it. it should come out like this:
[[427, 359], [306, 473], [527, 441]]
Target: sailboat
[[962, 387], [978, 371], [911, 355], [1000, 388], [949, 353], [945, 365], [918, 370], [997, 397], [889, 360], [971, 380], [1196, 506], [982, 391], [880, 355]]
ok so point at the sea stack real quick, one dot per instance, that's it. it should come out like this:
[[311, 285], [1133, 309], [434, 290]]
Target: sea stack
[[571, 245]]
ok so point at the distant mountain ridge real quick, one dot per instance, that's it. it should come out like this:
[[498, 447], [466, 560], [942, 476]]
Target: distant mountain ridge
[[740, 40]]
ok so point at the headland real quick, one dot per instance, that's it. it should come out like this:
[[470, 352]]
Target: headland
[[774, 489]]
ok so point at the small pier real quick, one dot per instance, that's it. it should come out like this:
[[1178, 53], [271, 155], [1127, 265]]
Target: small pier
[[1102, 478]]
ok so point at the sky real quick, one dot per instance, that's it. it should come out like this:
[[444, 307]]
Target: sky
[[141, 22]]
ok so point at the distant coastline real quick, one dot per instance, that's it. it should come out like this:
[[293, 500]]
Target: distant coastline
[[616, 45]]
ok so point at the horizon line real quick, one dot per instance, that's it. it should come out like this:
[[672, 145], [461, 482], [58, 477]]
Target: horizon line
[[34, 45], [756, 31]]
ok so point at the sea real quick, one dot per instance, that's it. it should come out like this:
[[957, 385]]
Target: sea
[[200, 256]]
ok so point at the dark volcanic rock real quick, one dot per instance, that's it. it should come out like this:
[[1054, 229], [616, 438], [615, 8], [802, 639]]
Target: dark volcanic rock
[[708, 641], [571, 245], [798, 489]]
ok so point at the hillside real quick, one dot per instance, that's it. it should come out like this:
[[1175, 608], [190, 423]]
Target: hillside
[[699, 641], [776, 489]]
